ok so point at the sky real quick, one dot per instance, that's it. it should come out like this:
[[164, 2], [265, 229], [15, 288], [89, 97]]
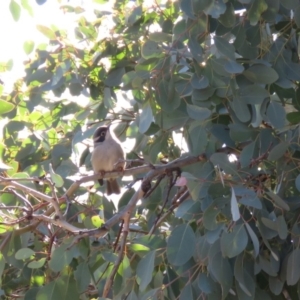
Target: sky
[[14, 34]]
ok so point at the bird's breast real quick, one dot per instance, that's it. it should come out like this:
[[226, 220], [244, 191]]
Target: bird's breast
[[105, 156]]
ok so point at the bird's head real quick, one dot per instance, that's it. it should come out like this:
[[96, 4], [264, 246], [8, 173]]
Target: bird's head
[[101, 134]]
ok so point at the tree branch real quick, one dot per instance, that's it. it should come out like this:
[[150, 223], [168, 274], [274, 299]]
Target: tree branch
[[153, 171]]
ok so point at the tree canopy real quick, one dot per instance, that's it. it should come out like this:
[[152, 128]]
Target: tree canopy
[[206, 93]]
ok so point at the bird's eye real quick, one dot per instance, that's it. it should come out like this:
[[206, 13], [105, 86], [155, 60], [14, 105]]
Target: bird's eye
[[102, 133]]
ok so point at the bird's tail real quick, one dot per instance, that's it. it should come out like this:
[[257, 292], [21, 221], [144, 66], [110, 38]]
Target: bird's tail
[[112, 187]]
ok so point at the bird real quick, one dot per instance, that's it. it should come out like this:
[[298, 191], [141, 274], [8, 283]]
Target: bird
[[107, 156]]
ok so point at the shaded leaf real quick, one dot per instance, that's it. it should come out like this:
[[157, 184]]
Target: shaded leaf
[[253, 94], [198, 113], [278, 151], [221, 159], [177, 252], [144, 270], [276, 114], [278, 201], [235, 212], [114, 77], [254, 239], [187, 7], [293, 274], [221, 269], [261, 73], [233, 243], [225, 48], [297, 182], [255, 11]]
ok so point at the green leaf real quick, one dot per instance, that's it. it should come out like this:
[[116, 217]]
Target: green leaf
[[151, 49], [215, 9], [132, 296], [61, 257], [198, 113], [235, 212], [146, 117], [49, 33], [222, 272], [41, 75], [5, 107], [293, 270], [297, 16], [275, 285], [225, 48], [233, 243], [293, 117], [297, 182], [253, 94], [56, 179], [228, 18], [245, 281], [82, 276], [177, 251], [144, 270], [135, 15], [276, 114], [167, 96], [37, 264], [187, 7], [233, 67], [160, 37], [278, 151], [254, 239], [2, 264], [28, 46], [241, 109], [4, 66], [27, 6], [289, 4], [197, 136], [221, 159], [210, 221], [282, 227], [261, 74], [24, 253], [114, 77], [187, 292], [15, 10], [278, 201], [255, 11]]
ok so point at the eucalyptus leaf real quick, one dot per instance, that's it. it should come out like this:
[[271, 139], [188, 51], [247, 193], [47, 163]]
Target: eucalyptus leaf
[[261, 73], [15, 10], [145, 269], [233, 243], [146, 118], [197, 113], [294, 272], [177, 252]]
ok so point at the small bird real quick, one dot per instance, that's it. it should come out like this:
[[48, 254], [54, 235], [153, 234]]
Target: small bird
[[108, 155]]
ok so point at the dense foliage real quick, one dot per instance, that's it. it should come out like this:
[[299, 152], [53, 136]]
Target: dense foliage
[[222, 222]]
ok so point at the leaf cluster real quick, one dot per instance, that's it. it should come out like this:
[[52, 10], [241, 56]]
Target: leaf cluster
[[218, 80]]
